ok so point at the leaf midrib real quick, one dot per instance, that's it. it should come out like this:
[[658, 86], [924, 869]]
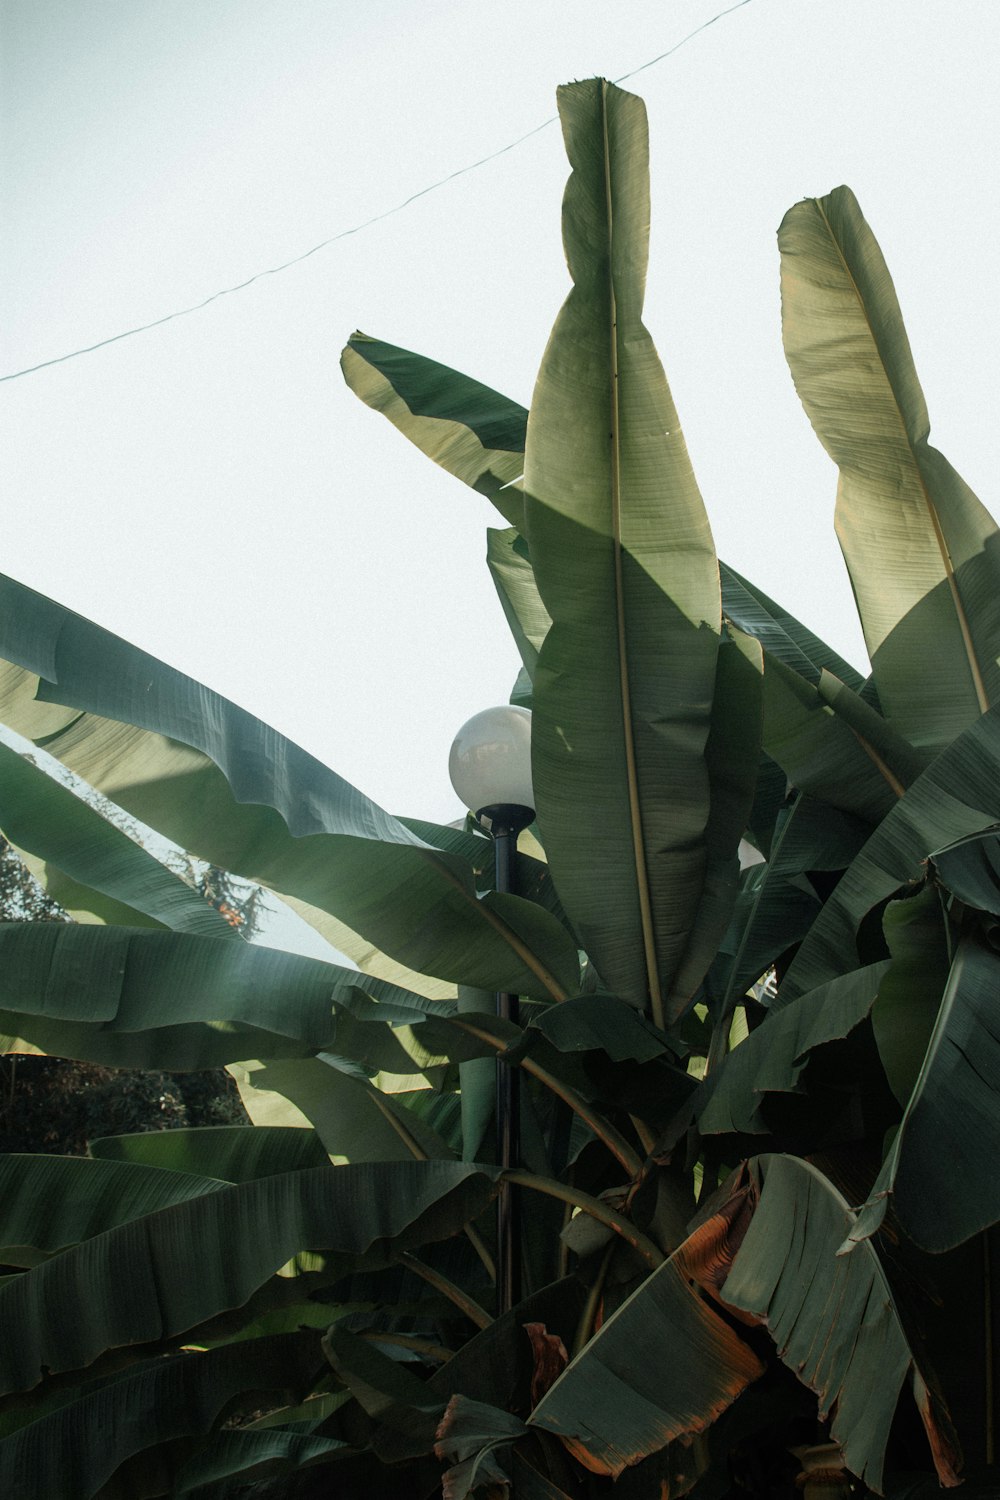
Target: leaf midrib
[[635, 813]]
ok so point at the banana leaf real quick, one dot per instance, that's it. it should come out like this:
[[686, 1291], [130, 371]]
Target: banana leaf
[[624, 563], [132, 997], [223, 785], [923, 553], [665, 1365], [832, 1317], [514, 578], [773, 1057], [831, 744], [781, 635], [77, 1449], [48, 1203], [958, 794], [230, 1152], [472, 432], [355, 1120], [165, 1273], [98, 868], [940, 1172]]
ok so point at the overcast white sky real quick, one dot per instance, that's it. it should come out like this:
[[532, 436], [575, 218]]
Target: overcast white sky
[[212, 491]]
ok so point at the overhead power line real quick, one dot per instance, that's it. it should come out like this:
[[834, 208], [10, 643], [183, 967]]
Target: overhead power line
[[343, 234]]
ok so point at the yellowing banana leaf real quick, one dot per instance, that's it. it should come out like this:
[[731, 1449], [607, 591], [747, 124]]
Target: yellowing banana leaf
[[77, 1449], [225, 786], [167, 1272], [832, 1317], [940, 1173], [624, 563], [472, 432], [665, 1365], [923, 553], [90, 863], [958, 794]]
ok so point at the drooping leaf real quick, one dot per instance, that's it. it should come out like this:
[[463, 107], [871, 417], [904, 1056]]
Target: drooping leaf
[[231, 1152], [664, 1365], [241, 1456], [832, 1318], [223, 785], [472, 432], [48, 819], [76, 1449], [353, 1118], [940, 1170], [624, 563], [923, 554], [50, 1202], [167, 1272], [134, 997], [958, 794]]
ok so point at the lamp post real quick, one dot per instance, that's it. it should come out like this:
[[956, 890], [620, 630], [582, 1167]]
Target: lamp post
[[490, 769]]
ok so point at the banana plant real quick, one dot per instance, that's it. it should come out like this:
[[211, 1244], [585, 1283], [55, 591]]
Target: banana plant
[[761, 1100]]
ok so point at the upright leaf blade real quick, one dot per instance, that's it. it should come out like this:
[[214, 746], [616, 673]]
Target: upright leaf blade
[[625, 565], [923, 553]]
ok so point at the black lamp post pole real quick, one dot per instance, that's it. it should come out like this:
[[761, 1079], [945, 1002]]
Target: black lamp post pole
[[506, 822]]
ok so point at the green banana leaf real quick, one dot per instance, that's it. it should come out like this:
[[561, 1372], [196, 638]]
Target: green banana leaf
[[77, 1449], [224, 786], [242, 1456], [132, 997], [355, 1121], [970, 869], [48, 1203], [230, 1152], [732, 757], [940, 1170], [958, 794], [98, 867], [772, 1058], [624, 563], [781, 635], [831, 744], [778, 901], [832, 1317], [923, 553], [514, 578], [472, 432], [909, 997], [165, 1273]]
